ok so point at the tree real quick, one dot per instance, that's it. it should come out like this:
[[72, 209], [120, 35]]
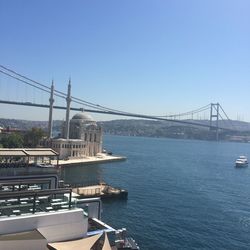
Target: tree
[[13, 140], [33, 136]]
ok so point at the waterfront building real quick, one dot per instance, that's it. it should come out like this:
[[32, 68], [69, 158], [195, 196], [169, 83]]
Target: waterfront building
[[38, 212], [81, 136], [85, 138]]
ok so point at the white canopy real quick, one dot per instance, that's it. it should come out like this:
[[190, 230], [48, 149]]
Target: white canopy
[[106, 245], [82, 244]]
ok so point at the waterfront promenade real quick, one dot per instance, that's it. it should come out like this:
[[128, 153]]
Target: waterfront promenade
[[100, 158]]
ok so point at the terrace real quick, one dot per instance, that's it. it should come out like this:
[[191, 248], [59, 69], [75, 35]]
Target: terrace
[[34, 201]]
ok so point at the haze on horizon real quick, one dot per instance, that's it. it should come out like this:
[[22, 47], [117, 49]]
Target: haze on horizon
[[150, 57]]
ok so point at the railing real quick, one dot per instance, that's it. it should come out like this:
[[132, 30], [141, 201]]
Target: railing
[[25, 202]]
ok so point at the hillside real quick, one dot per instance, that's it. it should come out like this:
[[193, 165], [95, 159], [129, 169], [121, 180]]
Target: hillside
[[150, 128], [173, 130]]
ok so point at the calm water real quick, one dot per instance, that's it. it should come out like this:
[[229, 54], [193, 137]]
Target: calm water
[[183, 194]]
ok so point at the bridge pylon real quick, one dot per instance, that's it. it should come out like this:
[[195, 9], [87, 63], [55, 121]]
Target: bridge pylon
[[214, 116]]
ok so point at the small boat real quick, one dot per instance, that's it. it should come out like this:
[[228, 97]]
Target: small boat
[[45, 165], [241, 161]]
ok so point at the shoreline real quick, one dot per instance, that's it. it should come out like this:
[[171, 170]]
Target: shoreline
[[91, 160]]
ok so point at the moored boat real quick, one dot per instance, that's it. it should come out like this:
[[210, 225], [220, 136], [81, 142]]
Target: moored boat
[[45, 165]]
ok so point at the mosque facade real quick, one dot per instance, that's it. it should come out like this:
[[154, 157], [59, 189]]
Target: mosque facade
[[85, 138], [81, 136]]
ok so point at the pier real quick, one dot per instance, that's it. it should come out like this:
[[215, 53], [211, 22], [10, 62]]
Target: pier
[[100, 158], [102, 190]]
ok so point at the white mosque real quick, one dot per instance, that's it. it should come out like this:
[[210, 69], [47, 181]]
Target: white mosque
[[82, 136], [85, 138]]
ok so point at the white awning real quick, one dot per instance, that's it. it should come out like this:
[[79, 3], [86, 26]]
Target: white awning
[[12, 152], [41, 152], [27, 152]]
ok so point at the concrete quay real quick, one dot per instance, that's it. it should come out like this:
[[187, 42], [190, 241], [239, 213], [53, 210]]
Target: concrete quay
[[100, 158]]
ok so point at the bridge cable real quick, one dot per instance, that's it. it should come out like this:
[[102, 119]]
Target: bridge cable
[[98, 107], [82, 102], [189, 112]]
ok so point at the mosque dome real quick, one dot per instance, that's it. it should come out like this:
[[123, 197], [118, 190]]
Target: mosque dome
[[84, 117]]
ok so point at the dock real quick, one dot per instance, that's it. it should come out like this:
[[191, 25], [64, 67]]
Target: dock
[[102, 190], [100, 158]]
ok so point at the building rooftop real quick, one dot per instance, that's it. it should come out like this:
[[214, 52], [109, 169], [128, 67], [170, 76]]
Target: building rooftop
[[27, 152], [83, 116]]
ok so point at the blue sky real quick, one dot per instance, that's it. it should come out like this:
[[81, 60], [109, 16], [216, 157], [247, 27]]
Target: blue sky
[[153, 57]]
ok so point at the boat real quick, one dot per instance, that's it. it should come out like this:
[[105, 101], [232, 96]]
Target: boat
[[45, 165], [241, 161]]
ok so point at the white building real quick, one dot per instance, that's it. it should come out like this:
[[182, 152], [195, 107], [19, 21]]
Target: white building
[[85, 138]]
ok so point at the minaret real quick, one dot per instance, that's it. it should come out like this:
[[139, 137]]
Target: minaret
[[68, 99], [51, 102]]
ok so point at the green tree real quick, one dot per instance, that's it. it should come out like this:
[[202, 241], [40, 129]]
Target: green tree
[[13, 140], [33, 136]]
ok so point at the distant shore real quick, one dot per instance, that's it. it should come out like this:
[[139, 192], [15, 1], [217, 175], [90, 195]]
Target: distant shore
[[103, 158]]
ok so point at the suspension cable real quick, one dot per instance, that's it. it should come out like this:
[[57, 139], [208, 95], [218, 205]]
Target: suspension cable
[[60, 94], [24, 79]]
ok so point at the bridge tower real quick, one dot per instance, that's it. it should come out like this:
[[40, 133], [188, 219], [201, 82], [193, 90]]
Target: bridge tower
[[214, 116], [51, 102]]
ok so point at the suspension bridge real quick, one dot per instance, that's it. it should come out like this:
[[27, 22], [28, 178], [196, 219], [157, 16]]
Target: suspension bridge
[[215, 113]]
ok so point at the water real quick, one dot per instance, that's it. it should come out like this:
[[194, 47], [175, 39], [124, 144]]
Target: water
[[183, 194]]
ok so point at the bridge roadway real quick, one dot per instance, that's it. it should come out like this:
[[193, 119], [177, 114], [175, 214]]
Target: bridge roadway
[[115, 113]]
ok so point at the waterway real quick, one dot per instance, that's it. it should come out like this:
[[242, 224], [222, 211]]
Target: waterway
[[183, 194]]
